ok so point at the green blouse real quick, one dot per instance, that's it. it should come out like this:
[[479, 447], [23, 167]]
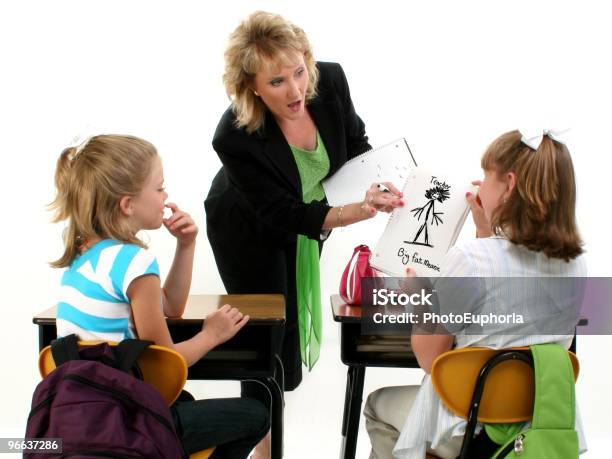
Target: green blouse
[[312, 166]]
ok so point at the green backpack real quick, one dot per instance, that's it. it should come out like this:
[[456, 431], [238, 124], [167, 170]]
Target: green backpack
[[551, 434]]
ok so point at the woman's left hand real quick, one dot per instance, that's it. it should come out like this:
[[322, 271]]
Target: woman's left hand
[[180, 225]]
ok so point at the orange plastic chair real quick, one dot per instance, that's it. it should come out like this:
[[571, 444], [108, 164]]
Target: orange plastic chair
[[508, 394], [161, 367]]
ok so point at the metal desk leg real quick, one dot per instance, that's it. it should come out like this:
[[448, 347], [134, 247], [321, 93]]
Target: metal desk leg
[[347, 404], [352, 412], [276, 416], [279, 374]]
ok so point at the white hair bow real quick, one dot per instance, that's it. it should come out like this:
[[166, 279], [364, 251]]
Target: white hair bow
[[533, 137], [81, 140]]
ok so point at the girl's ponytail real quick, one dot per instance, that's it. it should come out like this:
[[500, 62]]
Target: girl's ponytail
[[62, 205], [63, 172]]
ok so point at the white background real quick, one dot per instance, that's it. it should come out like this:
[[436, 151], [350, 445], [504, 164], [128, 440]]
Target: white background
[[449, 76]]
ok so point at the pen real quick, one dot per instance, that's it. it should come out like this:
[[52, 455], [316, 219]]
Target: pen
[[383, 188]]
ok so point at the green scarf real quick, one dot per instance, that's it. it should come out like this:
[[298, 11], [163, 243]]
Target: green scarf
[[308, 299], [313, 166]]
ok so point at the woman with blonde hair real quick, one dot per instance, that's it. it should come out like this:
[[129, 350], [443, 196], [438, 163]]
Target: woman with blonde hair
[[291, 123]]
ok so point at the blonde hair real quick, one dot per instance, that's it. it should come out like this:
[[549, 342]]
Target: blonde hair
[[90, 182], [540, 213], [260, 41]]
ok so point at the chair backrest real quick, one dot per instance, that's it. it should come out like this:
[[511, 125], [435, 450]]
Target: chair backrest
[[161, 367], [509, 390]]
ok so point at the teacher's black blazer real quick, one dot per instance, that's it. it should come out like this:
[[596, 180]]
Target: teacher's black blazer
[[256, 197]]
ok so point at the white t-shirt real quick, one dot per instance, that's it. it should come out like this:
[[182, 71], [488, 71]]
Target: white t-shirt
[[429, 421]]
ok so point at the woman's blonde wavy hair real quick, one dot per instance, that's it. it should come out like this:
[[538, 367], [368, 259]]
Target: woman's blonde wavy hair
[[540, 213], [90, 182], [261, 41]]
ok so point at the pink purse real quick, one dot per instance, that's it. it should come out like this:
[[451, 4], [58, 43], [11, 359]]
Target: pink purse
[[357, 268]]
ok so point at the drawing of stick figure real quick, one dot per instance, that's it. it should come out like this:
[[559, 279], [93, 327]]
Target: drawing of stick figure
[[436, 193]]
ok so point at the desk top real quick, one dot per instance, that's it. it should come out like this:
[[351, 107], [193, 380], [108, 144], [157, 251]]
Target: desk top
[[263, 309], [343, 312]]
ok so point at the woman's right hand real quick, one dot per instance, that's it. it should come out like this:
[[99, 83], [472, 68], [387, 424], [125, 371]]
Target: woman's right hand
[[379, 200], [483, 226], [223, 324], [380, 196]]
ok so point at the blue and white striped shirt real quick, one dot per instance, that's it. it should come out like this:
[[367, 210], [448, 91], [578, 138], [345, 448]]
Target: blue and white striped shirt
[[93, 300]]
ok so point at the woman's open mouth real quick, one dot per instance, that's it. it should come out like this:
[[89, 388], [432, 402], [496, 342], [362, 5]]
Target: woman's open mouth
[[295, 106]]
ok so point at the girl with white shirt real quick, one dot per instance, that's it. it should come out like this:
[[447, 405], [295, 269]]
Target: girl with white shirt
[[525, 220]]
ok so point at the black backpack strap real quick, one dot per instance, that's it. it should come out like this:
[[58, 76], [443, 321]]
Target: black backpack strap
[[128, 351], [65, 349], [472, 420]]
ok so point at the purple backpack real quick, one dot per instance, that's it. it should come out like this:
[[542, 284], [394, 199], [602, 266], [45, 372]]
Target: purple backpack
[[98, 408]]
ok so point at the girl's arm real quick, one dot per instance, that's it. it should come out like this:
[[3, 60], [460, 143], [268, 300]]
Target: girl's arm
[[426, 341], [178, 281], [145, 296], [427, 348]]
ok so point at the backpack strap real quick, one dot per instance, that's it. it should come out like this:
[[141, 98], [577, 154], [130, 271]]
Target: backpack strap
[[128, 351], [555, 403], [472, 419], [65, 349]]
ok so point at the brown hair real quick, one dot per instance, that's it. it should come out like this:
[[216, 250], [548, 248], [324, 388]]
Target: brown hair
[[90, 181], [262, 40], [540, 213]]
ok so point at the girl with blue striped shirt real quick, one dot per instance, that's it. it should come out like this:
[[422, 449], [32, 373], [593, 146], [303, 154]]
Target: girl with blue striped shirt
[[108, 189]]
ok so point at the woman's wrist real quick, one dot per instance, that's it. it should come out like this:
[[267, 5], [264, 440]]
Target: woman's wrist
[[355, 212], [346, 215], [361, 213], [340, 211]]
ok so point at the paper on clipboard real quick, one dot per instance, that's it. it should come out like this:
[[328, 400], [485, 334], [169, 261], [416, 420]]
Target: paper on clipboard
[[420, 233], [389, 163]]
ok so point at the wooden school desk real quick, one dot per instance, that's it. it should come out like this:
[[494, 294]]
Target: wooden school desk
[[251, 354], [358, 352]]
